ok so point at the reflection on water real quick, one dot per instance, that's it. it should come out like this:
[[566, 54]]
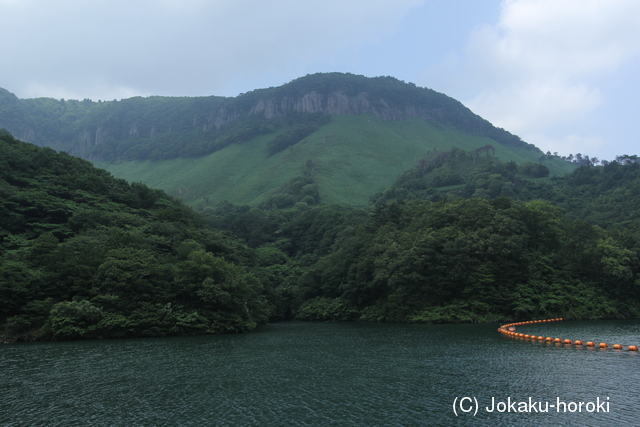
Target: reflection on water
[[317, 374]]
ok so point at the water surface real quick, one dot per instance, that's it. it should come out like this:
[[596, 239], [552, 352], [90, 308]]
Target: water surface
[[324, 374]]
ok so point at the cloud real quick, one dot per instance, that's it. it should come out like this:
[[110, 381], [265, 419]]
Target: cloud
[[570, 143], [538, 68], [179, 47], [536, 104]]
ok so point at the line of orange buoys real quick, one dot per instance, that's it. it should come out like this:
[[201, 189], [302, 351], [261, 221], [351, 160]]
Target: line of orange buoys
[[510, 330]]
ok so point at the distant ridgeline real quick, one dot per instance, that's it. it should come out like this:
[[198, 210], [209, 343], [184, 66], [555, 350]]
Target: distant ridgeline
[[605, 195], [160, 128]]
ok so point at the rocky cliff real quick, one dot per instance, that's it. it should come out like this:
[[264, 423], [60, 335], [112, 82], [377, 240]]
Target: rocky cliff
[[337, 103], [164, 127]]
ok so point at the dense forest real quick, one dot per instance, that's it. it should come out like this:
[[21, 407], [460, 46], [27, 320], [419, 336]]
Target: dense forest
[[607, 195], [462, 236], [85, 255], [495, 245]]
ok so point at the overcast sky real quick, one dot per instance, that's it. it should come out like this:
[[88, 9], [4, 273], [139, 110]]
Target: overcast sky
[[562, 74]]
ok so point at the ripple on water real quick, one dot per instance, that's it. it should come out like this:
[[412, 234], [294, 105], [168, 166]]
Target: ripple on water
[[316, 374]]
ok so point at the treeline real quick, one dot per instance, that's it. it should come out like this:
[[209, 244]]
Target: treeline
[[465, 238], [486, 248], [608, 195], [473, 260], [85, 255], [105, 130], [585, 160], [460, 173], [462, 260], [152, 128]]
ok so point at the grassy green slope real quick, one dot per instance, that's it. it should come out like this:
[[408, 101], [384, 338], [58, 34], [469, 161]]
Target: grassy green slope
[[353, 157]]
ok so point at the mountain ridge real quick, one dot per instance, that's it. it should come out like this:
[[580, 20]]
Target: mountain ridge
[[84, 128], [360, 132]]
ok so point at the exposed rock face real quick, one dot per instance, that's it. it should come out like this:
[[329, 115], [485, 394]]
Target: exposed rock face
[[28, 135], [83, 141], [337, 103], [86, 140], [271, 108], [219, 118], [134, 129]]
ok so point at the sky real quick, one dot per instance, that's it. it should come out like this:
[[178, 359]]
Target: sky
[[561, 74]]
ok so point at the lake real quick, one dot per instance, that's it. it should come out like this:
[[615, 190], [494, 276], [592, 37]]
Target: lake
[[328, 374]]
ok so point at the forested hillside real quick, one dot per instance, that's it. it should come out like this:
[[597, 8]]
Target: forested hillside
[[85, 255], [607, 195], [473, 260], [461, 238]]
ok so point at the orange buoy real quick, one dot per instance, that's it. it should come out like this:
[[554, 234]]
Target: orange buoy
[[527, 336], [567, 341], [557, 340], [617, 347], [603, 345], [590, 343], [633, 348], [540, 337], [549, 339], [578, 342]]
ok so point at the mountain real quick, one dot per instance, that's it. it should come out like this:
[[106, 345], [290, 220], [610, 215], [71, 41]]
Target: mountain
[[350, 134]]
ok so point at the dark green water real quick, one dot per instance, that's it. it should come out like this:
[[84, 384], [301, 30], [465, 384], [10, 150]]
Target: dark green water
[[324, 374]]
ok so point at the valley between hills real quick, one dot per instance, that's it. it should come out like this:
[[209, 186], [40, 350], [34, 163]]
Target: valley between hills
[[332, 197]]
